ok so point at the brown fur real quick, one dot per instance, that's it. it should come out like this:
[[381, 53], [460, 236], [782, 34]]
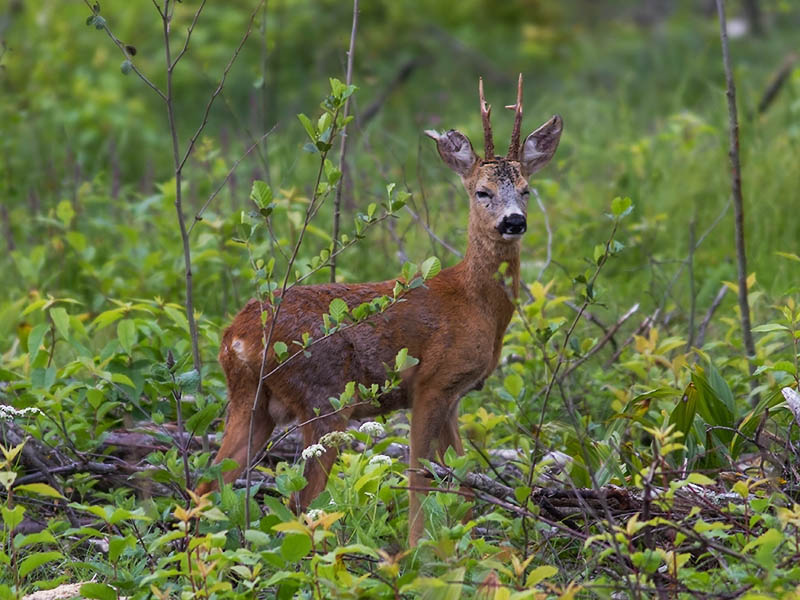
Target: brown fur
[[454, 326]]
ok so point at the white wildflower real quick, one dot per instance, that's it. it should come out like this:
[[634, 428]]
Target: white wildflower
[[380, 459], [8, 412], [315, 513], [334, 439], [312, 451], [372, 428]]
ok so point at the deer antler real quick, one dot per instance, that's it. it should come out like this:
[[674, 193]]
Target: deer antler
[[486, 111], [513, 149]]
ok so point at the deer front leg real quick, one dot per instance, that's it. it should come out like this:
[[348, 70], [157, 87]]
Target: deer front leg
[[428, 416]]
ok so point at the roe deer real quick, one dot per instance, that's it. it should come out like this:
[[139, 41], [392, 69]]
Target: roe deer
[[454, 326]]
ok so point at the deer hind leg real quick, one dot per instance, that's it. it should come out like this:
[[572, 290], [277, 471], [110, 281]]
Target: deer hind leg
[[318, 467], [242, 389], [429, 415]]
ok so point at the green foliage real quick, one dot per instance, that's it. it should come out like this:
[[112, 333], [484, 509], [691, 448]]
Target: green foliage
[[94, 336]]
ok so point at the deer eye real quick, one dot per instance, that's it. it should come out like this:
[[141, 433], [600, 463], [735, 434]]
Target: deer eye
[[526, 192], [483, 195]]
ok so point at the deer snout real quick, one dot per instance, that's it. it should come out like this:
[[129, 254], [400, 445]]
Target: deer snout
[[512, 225]]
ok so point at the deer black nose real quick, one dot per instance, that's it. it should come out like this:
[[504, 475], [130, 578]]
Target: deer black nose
[[512, 225]]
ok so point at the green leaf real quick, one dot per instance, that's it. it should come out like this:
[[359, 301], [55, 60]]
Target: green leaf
[[35, 338], [41, 489], [60, 320], [117, 545], [337, 309], [100, 591], [539, 574], [188, 381], [280, 349], [12, 516], [126, 334], [621, 207], [198, 423], [308, 126], [65, 212], [261, 193], [295, 546], [769, 327], [403, 361], [37, 559], [513, 384], [430, 268]]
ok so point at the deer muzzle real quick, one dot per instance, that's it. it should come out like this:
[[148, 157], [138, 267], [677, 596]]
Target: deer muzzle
[[512, 226]]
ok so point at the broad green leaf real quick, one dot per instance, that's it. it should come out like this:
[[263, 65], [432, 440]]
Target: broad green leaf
[[430, 268], [99, 591], [65, 212], [539, 574], [37, 559], [60, 320], [513, 384], [337, 309], [295, 546], [261, 193], [126, 333], [35, 338], [41, 489]]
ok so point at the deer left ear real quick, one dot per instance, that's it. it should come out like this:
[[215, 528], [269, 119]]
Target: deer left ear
[[540, 146], [455, 149]]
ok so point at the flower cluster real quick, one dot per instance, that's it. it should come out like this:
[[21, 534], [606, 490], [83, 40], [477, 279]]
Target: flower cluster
[[372, 428], [380, 459], [335, 439], [312, 451], [7, 412]]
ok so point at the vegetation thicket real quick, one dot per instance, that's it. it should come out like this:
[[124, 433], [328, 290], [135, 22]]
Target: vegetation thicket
[[628, 445]]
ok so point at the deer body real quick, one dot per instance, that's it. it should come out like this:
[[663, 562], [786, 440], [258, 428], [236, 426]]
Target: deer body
[[454, 326]]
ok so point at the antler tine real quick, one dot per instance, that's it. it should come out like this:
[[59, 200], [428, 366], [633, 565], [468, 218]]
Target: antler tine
[[513, 149], [486, 111]]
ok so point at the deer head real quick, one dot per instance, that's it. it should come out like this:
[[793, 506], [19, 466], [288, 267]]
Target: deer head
[[498, 186]]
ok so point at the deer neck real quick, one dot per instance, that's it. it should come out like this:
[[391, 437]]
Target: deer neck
[[482, 263]]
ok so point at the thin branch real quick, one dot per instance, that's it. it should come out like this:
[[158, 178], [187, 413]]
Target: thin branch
[[121, 46], [337, 202], [701, 331], [596, 348], [221, 84], [187, 254], [431, 233], [199, 215], [188, 35], [736, 189]]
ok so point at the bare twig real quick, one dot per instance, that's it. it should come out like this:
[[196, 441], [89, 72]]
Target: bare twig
[[596, 348], [644, 326], [701, 331], [199, 215], [178, 164], [337, 201], [124, 51], [776, 84], [736, 189]]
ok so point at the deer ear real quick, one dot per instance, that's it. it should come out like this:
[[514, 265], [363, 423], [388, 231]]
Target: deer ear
[[540, 146], [455, 150]]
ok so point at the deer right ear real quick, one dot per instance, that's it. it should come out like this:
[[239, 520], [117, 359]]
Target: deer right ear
[[540, 146], [455, 150]]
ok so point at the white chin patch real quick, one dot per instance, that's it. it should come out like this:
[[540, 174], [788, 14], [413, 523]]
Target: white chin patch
[[512, 236]]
